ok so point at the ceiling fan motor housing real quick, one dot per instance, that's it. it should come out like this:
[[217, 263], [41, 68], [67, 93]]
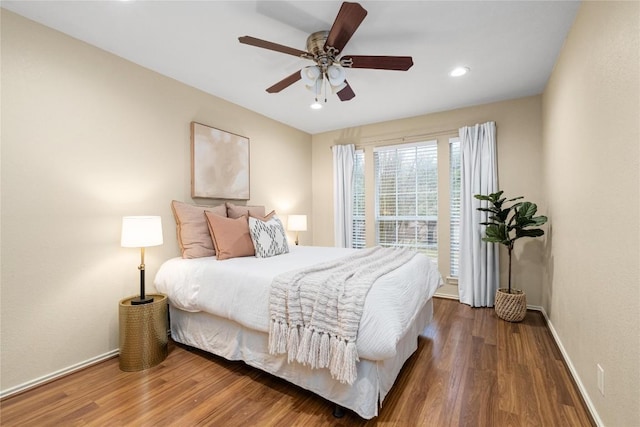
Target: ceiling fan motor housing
[[316, 41], [315, 46]]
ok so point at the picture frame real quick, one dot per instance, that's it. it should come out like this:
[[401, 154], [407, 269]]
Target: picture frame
[[220, 166]]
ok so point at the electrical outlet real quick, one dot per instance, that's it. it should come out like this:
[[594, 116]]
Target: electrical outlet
[[600, 379]]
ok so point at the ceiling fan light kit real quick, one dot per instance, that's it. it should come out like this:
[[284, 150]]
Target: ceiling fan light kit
[[310, 75], [336, 75], [324, 48], [316, 79]]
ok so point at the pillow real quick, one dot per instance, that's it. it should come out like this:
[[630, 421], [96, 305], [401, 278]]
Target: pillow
[[194, 238], [269, 238], [265, 218], [236, 211], [230, 236]]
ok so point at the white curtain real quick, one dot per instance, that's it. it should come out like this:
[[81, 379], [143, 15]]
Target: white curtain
[[478, 277], [343, 157]]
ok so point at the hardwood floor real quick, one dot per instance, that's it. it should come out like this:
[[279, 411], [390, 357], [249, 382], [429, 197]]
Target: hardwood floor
[[470, 369]]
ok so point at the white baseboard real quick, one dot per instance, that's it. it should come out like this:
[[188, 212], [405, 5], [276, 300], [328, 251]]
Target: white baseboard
[[446, 296], [55, 375], [574, 373]]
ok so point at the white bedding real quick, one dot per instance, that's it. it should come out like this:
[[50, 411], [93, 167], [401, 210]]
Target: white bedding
[[235, 342], [238, 289]]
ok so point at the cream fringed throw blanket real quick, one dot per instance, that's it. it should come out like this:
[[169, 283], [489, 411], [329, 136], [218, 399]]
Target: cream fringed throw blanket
[[315, 311]]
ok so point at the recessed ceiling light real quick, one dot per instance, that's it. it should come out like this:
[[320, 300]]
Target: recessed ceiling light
[[459, 71]]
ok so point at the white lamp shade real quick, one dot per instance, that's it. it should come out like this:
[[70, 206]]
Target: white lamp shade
[[316, 87], [141, 231], [310, 74], [336, 75], [297, 223]]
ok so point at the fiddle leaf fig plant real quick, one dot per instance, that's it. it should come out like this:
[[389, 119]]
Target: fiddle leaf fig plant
[[509, 221]]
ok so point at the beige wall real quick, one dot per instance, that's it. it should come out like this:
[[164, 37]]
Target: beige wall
[[591, 139], [88, 137], [519, 143]]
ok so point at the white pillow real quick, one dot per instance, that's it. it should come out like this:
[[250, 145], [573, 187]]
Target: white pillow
[[269, 238]]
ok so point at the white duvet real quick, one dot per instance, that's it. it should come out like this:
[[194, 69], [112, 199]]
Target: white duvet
[[238, 289]]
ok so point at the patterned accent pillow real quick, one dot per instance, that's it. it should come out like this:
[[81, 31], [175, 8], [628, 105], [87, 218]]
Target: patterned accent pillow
[[269, 238]]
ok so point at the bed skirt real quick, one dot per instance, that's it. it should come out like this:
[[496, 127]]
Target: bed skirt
[[233, 341]]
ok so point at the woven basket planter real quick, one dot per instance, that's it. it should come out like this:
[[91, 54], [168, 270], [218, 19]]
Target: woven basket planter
[[511, 307]]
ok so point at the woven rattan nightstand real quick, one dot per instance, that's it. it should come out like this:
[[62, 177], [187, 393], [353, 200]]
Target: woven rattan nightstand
[[143, 333]]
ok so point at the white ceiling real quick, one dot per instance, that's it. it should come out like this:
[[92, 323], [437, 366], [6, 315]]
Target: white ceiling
[[510, 46]]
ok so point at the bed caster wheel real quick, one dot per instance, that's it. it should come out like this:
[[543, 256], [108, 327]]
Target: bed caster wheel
[[338, 411]]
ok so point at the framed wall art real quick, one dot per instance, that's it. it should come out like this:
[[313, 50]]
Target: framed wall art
[[219, 164]]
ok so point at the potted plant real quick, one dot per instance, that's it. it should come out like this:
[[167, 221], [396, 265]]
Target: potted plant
[[508, 223]]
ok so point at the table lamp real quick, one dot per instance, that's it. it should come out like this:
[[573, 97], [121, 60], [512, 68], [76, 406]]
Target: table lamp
[[297, 223], [141, 232]]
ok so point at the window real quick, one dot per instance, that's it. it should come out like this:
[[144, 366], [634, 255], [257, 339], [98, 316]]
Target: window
[[415, 199], [406, 196], [454, 206], [358, 239]]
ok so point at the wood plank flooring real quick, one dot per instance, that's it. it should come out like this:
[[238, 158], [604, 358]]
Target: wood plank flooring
[[470, 369]]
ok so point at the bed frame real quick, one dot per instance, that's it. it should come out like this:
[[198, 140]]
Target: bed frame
[[233, 341]]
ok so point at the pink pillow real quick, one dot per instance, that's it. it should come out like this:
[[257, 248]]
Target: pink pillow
[[230, 236], [194, 238], [236, 211], [265, 218]]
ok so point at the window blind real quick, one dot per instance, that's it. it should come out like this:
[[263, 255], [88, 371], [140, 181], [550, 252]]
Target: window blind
[[406, 196], [454, 206], [358, 223]]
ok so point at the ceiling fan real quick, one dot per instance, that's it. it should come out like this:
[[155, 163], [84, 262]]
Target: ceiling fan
[[324, 48]]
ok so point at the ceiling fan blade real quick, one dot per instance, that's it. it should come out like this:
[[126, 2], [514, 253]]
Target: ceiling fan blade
[[272, 46], [399, 63], [346, 93], [347, 22], [285, 83]]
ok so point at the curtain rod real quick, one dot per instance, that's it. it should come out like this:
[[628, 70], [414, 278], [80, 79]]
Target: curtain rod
[[402, 139]]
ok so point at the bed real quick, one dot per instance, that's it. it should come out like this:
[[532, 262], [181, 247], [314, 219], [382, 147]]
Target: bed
[[222, 307]]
